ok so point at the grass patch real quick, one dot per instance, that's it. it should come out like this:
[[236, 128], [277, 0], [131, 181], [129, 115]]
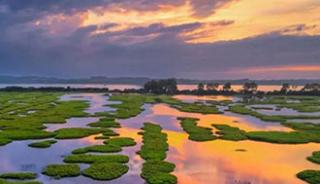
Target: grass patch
[[89, 159], [157, 172], [42, 144], [75, 133], [310, 176], [105, 123], [120, 141], [155, 143], [62, 170], [2, 181], [230, 133], [20, 134], [105, 171], [196, 133], [153, 151], [315, 157], [109, 132], [19, 176], [4, 141], [98, 148]]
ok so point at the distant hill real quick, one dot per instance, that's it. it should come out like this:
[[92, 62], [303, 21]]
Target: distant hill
[[137, 80]]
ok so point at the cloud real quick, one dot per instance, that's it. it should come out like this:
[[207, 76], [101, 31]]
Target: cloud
[[49, 38], [207, 7]]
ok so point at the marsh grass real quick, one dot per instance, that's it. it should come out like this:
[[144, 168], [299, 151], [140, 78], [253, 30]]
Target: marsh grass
[[310, 176], [230, 133], [196, 133], [315, 157], [120, 141], [153, 151], [75, 133], [2, 181], [105, 123], [42, 144], [98, 148], [19, 176], [89, 159], [62, 170], [105, 171]]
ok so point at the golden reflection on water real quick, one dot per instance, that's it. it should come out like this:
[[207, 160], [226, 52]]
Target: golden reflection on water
[[202, 98], [219, 162]]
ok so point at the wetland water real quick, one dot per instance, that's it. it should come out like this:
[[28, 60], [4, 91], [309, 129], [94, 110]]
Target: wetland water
[[219, 161]]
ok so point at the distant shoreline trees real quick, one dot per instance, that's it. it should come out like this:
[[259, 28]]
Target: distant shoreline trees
[[170, 87]]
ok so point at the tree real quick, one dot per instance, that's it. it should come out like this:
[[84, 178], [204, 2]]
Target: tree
[[314, 87], [167, 86], [227, 86], [285, 88], [250, 87], [212, 87], [200, 87]]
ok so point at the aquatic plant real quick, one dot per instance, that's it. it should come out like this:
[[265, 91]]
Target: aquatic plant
[[153, 151], [120, 141], [89, 159], [105, 171], [74, 133], [19, 176], [62, 170], [196, 133], [98, 148], [310, 176], [42, 144]]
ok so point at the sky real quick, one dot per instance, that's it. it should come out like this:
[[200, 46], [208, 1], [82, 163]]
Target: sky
[[196, 39]]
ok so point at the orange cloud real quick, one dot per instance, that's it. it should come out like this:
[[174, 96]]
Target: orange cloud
[[249, 18], [298, 68]]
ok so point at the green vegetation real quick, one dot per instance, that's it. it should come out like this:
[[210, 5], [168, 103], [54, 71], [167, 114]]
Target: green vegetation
[[26, 134], [98, 148], [283, 137], [305, 133], [315, 157], [87, 158], [75, 133], [4, 141], [310, 176], [305, 103], [230, 133], [42, 144], [196, 133], [120, 141], [105, 123], [2, 181], [242, 109], [109, 132], [105, 171], [23, 115], [19, 176], [130, 106], [158, 172], [62, 170], [155, 143], [153, 151]]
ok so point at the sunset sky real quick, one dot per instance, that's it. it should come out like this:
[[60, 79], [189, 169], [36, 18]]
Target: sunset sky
[[201, 39]]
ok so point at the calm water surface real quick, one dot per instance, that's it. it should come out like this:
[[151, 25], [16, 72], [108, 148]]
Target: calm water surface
[[216, 162]]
